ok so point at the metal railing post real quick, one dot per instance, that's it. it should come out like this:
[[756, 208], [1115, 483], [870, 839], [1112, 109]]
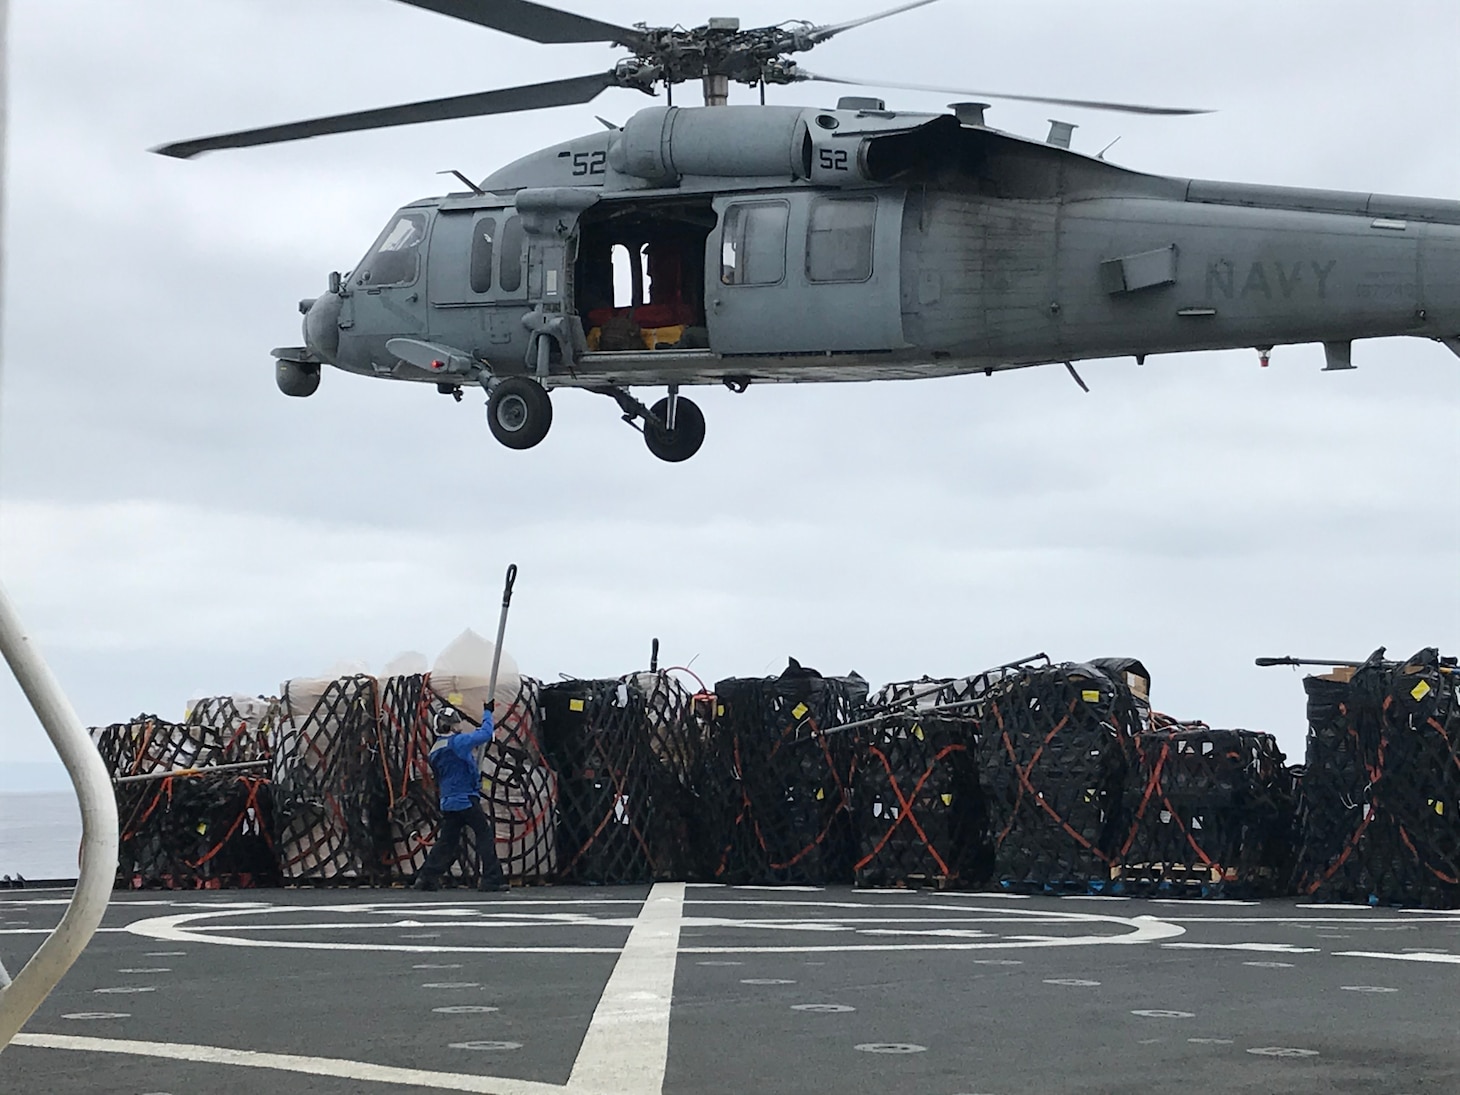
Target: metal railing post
[[20, 998]]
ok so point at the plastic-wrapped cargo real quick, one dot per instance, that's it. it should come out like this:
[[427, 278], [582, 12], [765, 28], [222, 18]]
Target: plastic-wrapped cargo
[[626, 751], [1211, 814], [327, 777], [198, 831], [779, 776], [1054, 756], [1381, 789], [246, 726], [917, 810]]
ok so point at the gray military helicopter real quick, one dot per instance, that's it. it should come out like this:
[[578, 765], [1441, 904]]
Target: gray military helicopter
[[769, 244]]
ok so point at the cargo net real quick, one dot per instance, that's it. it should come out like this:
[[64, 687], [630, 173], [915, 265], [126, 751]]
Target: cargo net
[[779, 777], [1381, 789], [1054, 754], [917, 810], [327, 775], [518, 793], [626, 752], [1210, 811], [188, 831]]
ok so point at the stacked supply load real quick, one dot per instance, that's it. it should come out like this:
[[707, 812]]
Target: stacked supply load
[[519, 790], [1381, 789], [185, 824], [1210, 813], [779, 778], [626, 752], [1054, 754], [327, 780], [917, 810]]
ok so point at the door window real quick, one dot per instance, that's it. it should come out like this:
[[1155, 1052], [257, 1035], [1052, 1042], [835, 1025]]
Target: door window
[[839, 240], [513, 239], [753, 251], [483, 242]]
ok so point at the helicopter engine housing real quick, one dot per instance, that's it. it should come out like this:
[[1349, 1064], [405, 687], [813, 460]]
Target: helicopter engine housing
[[663, 144], [296, 378]]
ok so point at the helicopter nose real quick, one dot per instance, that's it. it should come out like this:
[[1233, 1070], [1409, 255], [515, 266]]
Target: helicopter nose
[[322, 326]]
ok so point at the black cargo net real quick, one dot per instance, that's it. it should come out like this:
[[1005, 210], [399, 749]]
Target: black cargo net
[[189, 831], [326, 781], [1381, 787], [625, 752], [1210, 814], [1054, 757], [519, 791], [778, 780]]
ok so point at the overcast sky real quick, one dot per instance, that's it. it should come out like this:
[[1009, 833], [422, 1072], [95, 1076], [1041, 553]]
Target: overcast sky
[[170, 525]]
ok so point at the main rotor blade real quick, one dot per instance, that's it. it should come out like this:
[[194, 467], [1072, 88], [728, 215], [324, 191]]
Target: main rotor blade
[[580, 89], [535, 22], [1088, 104], [817, 35]]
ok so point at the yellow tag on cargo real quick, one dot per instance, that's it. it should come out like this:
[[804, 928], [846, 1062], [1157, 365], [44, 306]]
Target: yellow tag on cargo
[[575, 705], [799, 711], [1090, 695], [456, 699], [1421, 690], [947, 800]]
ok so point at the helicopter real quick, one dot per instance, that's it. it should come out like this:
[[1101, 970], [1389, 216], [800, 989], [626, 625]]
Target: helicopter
[[749, 244]]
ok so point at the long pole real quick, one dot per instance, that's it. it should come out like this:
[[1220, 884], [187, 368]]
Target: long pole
[[20, 998], [501, 632]]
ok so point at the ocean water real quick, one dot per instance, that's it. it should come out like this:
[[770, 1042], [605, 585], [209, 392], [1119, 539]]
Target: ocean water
[[40, 834]]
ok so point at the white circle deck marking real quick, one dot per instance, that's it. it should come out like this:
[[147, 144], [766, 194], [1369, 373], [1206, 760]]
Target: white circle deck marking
[[466, 1009], [166, 954], [796, 927], [719, 963], [1211, 1041], [498, 1046], [1366, 988], [1270, 965], [997, 962], [126, 989], [1282, 1051], [1071, 982], [823, 1009], [890, 1047], [423, 935], [146, 969], [89, 1016], [438, 966], [1159, 1014], [453, 985], [765, 981]]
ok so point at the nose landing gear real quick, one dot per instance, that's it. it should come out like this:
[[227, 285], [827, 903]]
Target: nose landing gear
[[519, 412]]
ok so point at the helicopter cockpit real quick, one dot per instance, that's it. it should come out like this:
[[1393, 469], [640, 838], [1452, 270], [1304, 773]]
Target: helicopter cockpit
[[395, 259]]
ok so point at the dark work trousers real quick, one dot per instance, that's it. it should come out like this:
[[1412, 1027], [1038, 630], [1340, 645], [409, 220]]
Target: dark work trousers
[[448, 839]]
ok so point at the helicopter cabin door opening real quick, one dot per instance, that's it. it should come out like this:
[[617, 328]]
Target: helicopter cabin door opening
[[478, 280], [806, 272], [386, 297], [640, 276]]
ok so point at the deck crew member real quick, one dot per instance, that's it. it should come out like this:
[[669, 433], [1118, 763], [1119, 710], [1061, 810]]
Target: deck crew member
[[458, 779]]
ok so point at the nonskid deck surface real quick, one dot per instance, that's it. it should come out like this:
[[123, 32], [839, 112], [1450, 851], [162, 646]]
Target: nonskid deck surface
[[566, 990]]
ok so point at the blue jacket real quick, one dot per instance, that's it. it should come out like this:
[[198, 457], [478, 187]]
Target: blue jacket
[[458, 773]]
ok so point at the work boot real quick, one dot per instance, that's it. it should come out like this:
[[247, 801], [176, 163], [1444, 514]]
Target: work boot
[[426, 884]]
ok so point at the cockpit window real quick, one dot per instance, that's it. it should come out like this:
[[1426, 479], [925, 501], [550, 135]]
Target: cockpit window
[[395, 258]]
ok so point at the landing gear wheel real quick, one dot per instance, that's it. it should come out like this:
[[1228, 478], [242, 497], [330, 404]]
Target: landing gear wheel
[[682, 442], [520, 412]]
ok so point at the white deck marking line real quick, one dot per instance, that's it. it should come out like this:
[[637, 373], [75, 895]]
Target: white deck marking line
[[288, 1062], [1270, 948], [1440, 959], [626, 1049]]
